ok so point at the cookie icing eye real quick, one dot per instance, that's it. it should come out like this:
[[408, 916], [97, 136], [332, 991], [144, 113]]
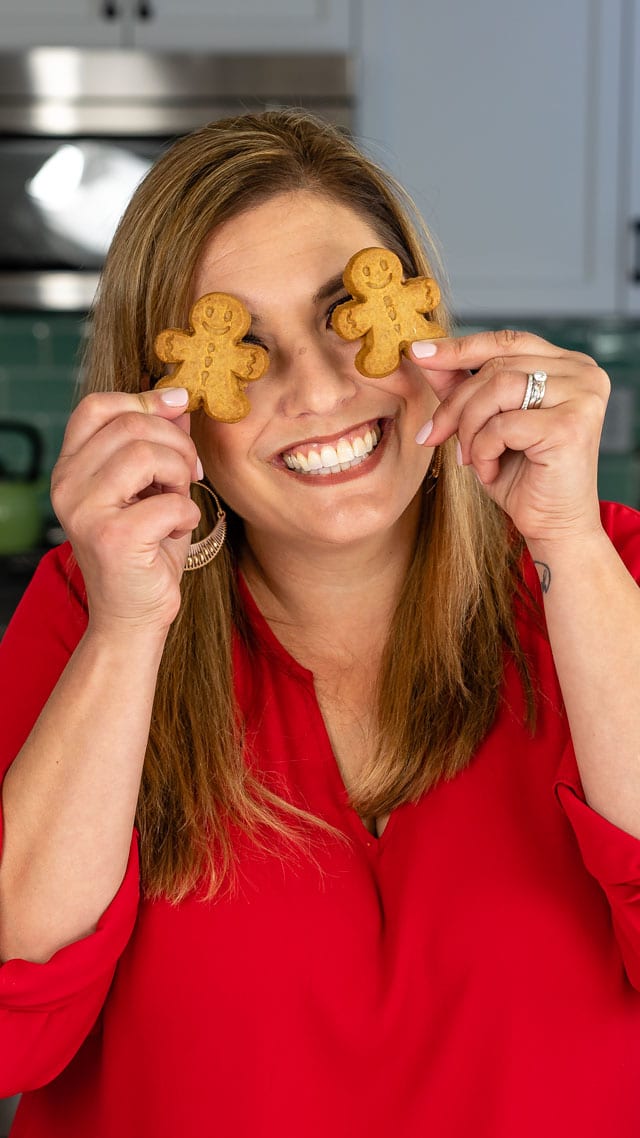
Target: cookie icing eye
[[366, 271], [384, 264]]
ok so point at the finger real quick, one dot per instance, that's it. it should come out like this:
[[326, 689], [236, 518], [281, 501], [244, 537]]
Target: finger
[[467, 410], [132, 469], [95, 411], [82, 504], [146, 524], [121, 433], [167, 516], [543, 437], [452, 359], [456, 352], [515, 431]]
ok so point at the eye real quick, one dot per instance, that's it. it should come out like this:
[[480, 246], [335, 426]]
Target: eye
[[251, 339], [335, 304]]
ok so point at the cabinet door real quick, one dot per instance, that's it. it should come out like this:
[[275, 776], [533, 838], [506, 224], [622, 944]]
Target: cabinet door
[[502, 121], [68, 23], [242, 25]]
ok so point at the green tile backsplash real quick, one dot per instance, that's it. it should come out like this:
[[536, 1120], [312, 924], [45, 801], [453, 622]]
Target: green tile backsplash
[[39, 357]]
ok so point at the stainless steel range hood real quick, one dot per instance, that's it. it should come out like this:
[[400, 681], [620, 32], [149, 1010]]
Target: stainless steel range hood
[[103, 91]]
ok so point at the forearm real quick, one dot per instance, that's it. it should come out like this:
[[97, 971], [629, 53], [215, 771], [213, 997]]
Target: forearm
[[69, 799], [592, 607]]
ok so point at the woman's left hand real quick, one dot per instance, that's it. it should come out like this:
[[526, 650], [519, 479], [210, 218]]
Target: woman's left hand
[[539, 465]]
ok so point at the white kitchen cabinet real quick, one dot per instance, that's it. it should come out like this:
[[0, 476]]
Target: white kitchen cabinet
[[505, 121], [183, 25]]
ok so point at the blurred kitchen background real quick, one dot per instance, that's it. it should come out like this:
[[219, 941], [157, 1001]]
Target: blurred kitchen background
[[515, 126]]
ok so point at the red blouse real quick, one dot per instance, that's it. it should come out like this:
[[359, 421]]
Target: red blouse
[[473, 972]]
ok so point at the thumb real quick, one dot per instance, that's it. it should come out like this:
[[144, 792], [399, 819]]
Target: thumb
[[168, 403]]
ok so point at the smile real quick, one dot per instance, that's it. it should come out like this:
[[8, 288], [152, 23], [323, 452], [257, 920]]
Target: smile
[[324, 458]]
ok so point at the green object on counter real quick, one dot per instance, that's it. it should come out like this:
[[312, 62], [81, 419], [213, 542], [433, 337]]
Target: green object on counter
[[20, 494]]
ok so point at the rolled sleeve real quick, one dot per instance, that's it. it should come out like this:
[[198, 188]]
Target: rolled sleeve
[[48, 1009], [612, 857]]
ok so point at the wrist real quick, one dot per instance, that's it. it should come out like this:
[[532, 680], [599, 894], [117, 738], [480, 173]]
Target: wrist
[[569, 548], [124, 643]]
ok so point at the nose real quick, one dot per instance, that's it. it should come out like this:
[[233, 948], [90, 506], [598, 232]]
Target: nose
[[316, 380]]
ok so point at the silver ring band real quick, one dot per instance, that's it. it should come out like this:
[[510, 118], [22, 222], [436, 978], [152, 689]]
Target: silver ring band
[[533, 396]]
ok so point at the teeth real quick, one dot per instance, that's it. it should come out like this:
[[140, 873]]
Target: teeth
[[345, 451], [330, 460], [328, 456]]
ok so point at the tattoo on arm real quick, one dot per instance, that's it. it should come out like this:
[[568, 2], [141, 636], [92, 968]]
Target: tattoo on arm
[[544, 574]]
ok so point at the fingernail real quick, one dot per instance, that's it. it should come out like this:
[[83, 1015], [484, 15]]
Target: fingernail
[[424, 432], [174, 396], [423, 348], [199, 469], [458, 453]]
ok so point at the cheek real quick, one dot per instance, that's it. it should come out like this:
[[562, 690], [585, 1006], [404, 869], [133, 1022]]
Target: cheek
[[221, 447], [409, 384]]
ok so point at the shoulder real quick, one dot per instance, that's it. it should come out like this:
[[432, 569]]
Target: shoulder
[[54, 603], [43, 633]]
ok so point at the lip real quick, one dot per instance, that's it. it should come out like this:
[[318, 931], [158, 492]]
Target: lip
[[372, 460]]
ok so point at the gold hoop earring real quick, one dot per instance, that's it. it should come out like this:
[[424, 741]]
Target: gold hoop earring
[[203, 552], [435, 466]]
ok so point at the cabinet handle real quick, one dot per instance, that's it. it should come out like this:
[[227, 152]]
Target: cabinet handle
[[145, 10], [110, 11], [635, 271]]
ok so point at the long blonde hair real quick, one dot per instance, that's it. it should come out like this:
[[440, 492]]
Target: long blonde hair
[[441, 673]]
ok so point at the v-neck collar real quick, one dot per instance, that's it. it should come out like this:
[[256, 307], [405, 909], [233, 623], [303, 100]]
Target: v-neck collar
[[273, 648]]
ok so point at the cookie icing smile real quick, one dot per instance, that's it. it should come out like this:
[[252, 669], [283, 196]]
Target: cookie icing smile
[[325, 458]]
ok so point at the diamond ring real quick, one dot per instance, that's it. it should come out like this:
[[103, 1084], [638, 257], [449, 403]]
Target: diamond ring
[[533, 396]]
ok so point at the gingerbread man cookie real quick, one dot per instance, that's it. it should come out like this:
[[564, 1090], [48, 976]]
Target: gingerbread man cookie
[[213, 364], [386, 311]]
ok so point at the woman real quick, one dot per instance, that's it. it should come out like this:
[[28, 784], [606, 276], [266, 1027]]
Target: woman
[[381, 754]]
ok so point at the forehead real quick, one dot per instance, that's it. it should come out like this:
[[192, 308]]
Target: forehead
[[292, 233]]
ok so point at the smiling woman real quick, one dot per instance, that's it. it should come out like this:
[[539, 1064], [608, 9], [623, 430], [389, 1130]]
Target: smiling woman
[[338, 832]]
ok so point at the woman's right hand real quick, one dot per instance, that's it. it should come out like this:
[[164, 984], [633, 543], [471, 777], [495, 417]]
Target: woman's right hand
[[120, 489]]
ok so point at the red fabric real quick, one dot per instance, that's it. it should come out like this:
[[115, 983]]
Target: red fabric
[[473, 972]]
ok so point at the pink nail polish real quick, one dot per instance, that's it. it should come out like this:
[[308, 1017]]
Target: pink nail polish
[[199, 470], [424, 348], [458, 454], [174, 396], [424, 432]]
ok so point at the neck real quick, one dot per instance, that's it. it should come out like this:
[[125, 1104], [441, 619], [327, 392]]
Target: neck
[[329, 598]]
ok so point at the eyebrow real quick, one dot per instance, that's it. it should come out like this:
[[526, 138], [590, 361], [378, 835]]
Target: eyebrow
[[329, 288]]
